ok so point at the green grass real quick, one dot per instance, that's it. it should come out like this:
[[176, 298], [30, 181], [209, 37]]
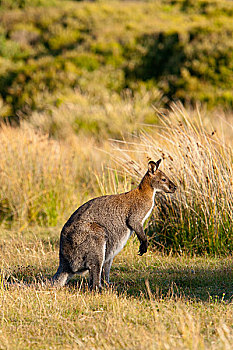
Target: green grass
[[157, 301]]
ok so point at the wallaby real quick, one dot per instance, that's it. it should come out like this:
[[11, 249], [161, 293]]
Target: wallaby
[[98, 230]]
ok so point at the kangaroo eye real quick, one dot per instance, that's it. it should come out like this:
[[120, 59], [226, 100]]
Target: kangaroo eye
[[163, 179]]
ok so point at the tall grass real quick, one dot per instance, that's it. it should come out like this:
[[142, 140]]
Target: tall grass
[[198, 218], [98, 113], [43, 180], [158, 301]]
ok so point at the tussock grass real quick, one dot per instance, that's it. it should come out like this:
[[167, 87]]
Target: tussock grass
[[43, 180], [198, 158], [98, 114]]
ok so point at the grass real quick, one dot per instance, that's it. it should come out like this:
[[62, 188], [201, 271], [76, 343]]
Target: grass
[[43, 179], [72, 75], [56, 174], [157, 302], [198, 158], [174, 298]]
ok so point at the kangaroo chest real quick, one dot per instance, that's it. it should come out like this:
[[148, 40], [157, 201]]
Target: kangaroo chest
[[120, 243], [150, 209]]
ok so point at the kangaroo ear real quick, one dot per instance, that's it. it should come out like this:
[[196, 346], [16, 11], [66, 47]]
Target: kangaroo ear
[[152, 166], [158, 163]]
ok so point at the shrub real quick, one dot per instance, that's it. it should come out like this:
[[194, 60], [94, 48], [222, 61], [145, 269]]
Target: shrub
[[12, 4], [86, 61], [189, 67], [9, 49], [183, 49], [61, 38]]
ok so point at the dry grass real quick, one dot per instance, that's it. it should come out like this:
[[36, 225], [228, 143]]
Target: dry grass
[[158, 302], [98, 112], [43, 180], [198, 158]]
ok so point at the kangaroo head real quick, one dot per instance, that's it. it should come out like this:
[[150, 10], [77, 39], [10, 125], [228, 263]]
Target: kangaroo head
[[158, 179]]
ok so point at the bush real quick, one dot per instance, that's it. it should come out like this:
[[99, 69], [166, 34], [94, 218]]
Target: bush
[[9, 49], [61, 38], [183, 49], [189, 67], [12, 4]]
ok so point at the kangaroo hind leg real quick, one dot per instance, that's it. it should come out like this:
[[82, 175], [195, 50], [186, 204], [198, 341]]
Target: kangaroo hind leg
[[95, 264], [106, 271]]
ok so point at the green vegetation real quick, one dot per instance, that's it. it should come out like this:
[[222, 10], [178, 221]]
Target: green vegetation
[[173, 49]]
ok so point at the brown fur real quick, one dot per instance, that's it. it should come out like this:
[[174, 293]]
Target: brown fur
[[100, 228]]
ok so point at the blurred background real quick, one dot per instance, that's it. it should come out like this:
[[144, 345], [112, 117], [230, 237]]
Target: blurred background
[[110, 61]]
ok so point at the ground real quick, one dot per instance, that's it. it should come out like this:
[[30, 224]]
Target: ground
[[156, 301]]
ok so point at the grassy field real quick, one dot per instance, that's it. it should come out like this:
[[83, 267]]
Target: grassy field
[[175, 298], [157, 301], [85, 102], [44, 179]]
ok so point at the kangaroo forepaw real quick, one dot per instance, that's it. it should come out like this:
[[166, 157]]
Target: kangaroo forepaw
[[143, 248]]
